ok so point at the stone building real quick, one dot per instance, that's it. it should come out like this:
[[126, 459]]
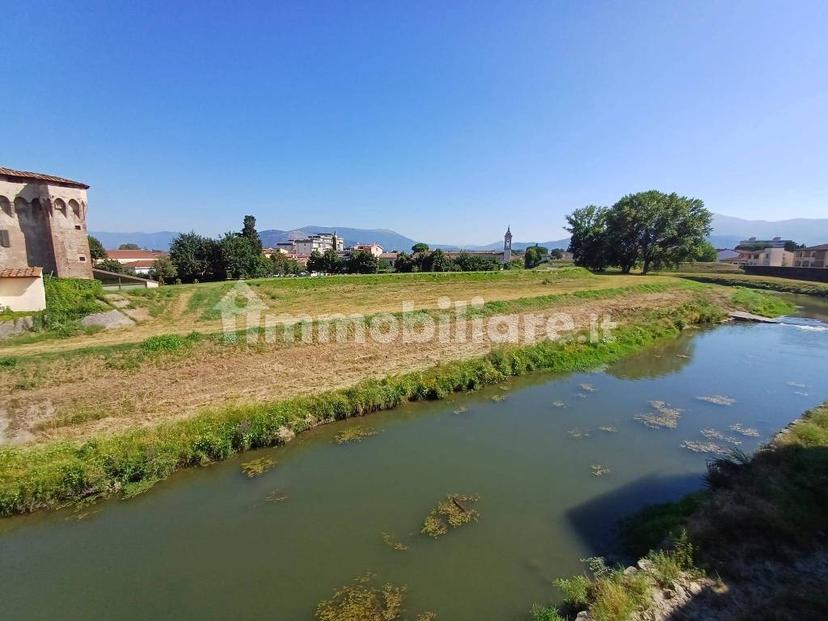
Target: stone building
[[43, 224]]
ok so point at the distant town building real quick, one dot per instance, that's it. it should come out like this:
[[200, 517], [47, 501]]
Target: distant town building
[[726, 255], [319, 242], [776, 242], [507, 246], [771, 257], [815, 256], [43, 223], [141, 261], [373, 249]]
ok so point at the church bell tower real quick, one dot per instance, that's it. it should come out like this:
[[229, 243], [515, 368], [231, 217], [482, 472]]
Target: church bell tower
[[507, 246]]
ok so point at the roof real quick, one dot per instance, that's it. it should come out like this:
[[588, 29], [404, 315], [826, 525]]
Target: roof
[[141, 263], [820, 247], [24, 175], [133, 254], [21, 272]]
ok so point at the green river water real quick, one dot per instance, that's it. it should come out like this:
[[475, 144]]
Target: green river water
[[207, 544]]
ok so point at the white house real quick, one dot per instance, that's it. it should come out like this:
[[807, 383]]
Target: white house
[[21, 289]]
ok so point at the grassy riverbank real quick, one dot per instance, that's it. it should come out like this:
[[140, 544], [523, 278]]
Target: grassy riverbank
[[768, 283], [55, 473], [752, 546]]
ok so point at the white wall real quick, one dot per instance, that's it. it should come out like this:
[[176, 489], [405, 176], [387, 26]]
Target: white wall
[[22, 294]]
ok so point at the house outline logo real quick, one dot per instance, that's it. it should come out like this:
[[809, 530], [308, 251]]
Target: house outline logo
[[240, 305]]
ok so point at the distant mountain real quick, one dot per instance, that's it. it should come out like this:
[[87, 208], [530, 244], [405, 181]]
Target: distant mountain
[[810, 231], [149, 241], [388, 239]]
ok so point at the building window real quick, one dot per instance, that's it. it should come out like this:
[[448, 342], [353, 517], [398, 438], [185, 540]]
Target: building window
[[78, 227], [4, 238], [82, 259]]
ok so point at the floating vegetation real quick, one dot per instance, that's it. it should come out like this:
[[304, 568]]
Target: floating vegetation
[[715, 434], [587, 387], [578, 434], [718, 399], [581, 395], [558, 404], [796, 384], [392, 542], [427, 616], [460, 410], [454, 511], [257, 467], [748, 432], [608, 429], [683, 356], [504, 388], [498, 398], [354, 434], [363, 600], [801, 393], [276, 496], [662, 417], [705, 447], [599, 470]]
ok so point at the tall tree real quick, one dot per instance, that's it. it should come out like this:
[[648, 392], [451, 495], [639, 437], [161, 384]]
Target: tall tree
[[656, 229], [196, 258], [419, 248], [534, 256], [588, 244], [241, 259], [96, 249], [362, 262], [249, 231]]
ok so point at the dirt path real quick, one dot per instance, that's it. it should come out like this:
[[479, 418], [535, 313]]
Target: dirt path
[[99, 399]]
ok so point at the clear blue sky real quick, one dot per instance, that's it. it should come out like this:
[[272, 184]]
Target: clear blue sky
[[442, 120]]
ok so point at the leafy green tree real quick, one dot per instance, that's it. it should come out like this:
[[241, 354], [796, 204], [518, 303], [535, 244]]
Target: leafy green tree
[[241, 259], [419, 248], [534, 256], [196, 258], [129, 247], [705, 252], [556, 253], [437, 261], [282, 265], [466, 262], [656, 229], [405, 263], [328, 262], [163, 270], [96, 249], [362, 262], [249, 232], [111, 265], [589, 244]]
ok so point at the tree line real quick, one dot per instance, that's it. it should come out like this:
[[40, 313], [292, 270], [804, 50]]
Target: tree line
[[650, 230], [423, 259]]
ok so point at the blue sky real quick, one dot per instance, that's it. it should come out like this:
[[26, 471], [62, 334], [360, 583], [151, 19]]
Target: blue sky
[[442, 120]]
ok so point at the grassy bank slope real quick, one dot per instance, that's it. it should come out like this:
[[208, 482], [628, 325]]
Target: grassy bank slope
[[769, 283], [759, 528], [49, 475]]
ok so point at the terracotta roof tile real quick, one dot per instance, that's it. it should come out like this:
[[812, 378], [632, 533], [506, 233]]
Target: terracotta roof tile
[[21, 272], [25, 174]]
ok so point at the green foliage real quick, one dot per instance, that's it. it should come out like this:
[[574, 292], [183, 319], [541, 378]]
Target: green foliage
[[650, 228], [534, 255], [362, 262], [453, 512], [705, 253], [196, 258], [575, 589], [70, 299], [250, 233], [164, 271], [114, 266], [129, 246], [783, 285], [651, 527], [419, 248], [96, 249], [466, 262], [545, 613], [363, 600], [241, 258], [283, 265], [328, 262], [759, 303]]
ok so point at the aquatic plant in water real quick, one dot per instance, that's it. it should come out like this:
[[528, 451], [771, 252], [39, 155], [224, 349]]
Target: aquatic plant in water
[[257, 467], [276, 496], [663, 416], [705, 447], [498, 398], [363, 600], [453, 512], [715, 434], [748, 432], [608, 429], [460, 410], [392, 542], [558, 404], [718, 399], [354, 434], [599, 470], [578, 434], [587, 387]]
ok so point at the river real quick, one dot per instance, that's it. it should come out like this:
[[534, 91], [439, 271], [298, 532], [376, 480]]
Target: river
[[211, 543]]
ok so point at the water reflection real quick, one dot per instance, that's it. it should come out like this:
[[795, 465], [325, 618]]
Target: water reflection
[[665, 360]]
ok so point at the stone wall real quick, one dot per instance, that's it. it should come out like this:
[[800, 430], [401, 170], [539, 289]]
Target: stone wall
[[798, 273]]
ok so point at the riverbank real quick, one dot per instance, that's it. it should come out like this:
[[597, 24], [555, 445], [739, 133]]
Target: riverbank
[[752, 546], [59, 472]]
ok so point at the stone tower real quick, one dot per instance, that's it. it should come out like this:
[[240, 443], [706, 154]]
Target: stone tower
[[507, 246]]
